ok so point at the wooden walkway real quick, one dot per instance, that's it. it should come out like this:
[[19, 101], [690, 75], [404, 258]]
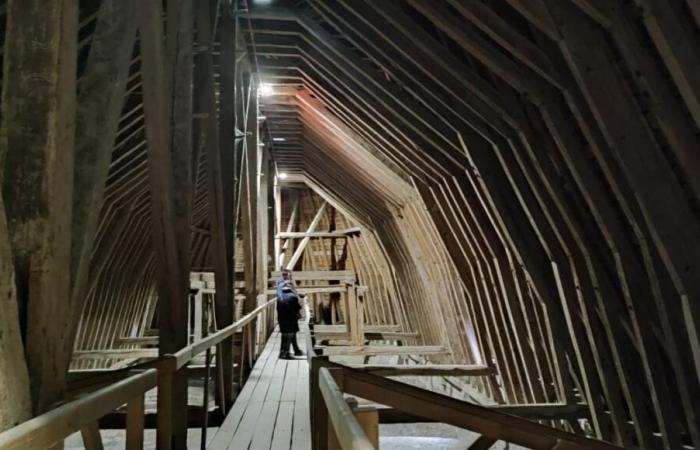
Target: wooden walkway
[[272, 410]]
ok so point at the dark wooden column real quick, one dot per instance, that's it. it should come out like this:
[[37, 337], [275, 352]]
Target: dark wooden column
[[179, 56], [210, 140], [167, 215], [249, 193], [38, 110]]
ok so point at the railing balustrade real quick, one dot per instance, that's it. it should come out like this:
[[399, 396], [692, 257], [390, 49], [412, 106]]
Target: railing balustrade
[[82, 414]]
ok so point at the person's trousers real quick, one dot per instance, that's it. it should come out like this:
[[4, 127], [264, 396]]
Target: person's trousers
[[287, 340]]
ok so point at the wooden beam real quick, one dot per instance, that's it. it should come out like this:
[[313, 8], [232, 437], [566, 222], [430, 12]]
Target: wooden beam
[[92, 439], [369, 335], [462, 414], [171, 254], [344, 426], [483, 442], [321, 275], [532, 412], [13, 367], [304, 242], [387, 370], [37, 155], [52, 427], [362, 350], [322, 234], [318, 289], [116, 354], [368, 328], [100, 103], [218, 180]]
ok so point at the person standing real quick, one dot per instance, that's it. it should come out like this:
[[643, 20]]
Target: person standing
[[288, 307], [286, 277]]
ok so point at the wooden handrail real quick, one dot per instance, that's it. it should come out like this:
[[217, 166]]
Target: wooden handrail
[[185, 355], [416, 404], [442, 408], [48, 429], [348, 430]]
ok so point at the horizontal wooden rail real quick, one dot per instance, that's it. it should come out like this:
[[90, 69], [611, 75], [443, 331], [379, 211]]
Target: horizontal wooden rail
[[318, 234], [384, 350], [320, 289], [441, 408], [48, 429], [368, 328], [369, 335], [185, 355], [321, 275], [347, 429], [542, 411], [108, 353], [423, 369]]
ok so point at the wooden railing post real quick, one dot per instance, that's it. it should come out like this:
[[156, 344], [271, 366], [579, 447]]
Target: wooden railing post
[[319, 413], [332, 438], [368, 417], [166, 373], [92, 439], [135, 423]]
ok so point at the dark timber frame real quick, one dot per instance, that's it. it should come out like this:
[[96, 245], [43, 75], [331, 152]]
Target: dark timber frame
[[501, 197]]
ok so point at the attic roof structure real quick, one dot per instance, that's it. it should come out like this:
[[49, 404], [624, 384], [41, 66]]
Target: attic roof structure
[[492, 208]]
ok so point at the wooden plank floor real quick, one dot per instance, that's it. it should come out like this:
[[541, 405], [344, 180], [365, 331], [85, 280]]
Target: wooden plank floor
[[272, 410]]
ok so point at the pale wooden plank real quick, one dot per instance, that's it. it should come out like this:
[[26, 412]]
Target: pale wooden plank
[[301, 432], [266, 422], [252, 414], [282, 437], [290, 380], [223, 437], [246, 429], [274, 392], [264, 427]]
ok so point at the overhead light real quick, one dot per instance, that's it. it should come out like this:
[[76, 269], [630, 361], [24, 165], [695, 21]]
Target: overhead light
[[262, 2], [261, 144], [282, 176], [265, 89], [278, 139], [262, 117]]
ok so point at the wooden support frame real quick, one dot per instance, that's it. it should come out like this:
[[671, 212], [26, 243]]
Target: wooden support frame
[[305, 241], [172, 255], [343, 426], [52, 427], [37, 158], [461, 414]]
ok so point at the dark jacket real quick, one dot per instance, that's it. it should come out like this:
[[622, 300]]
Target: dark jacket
[[288, 312]]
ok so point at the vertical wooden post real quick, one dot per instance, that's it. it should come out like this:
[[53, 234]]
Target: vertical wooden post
[[218, 177], [14, 378], [262, 222], [228, 147], [249, 197], [37, 155], [368, 417], [165, 410], [354, 319], [332, 439], [92, 439], [319, 412], [135, 423], [168, 216], [278, 224]]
